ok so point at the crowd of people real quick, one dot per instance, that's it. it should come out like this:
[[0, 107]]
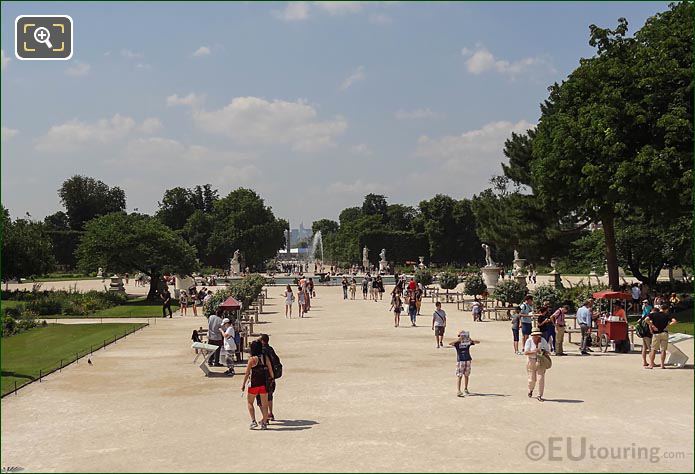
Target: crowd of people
[[305, 292]]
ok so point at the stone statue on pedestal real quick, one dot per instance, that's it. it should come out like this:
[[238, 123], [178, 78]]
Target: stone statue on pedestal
[[488, 258], [365, 258], [235, 264]]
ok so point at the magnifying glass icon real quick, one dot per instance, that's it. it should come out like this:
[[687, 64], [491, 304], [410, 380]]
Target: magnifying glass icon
[[42, 35]]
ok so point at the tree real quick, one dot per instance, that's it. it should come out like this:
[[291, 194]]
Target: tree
[[325, 226], [176, 207], [374, 204], [617, 134], [350, 214], [120, 243], [450, 228], [241, 220], [26, 248], [400, 217], [85, 198]]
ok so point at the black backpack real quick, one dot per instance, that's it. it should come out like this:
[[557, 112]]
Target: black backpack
[[275, 362]]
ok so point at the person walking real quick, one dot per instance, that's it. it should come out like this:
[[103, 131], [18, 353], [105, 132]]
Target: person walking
[[215, 337], [534, 347], [370, 287], [546, 326], [463, 360], [166, 303], [412, 307], [301, 300], [439, 324], [584, 319], [289, 301], [268, 351], [183, 302], [658, 325], [558, 318], [364, 287], [397, 305], [477, 310], [516, 322], [259, 373], [344, 283], [353, 288], [418, 299], [646, 334], [229, 345], [526, 318]]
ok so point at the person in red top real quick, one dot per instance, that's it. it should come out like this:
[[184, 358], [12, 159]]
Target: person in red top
[[412, 285]]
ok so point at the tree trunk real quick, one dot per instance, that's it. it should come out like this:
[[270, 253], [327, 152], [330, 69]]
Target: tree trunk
[[608, 221], [153, 294]]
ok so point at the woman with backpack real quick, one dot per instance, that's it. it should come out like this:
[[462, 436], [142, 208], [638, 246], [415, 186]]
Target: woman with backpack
[[259, 374]]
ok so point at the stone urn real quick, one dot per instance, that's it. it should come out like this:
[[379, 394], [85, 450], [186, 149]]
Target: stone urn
[[116, 284], [490, 276], [422, 266], [519, 265]]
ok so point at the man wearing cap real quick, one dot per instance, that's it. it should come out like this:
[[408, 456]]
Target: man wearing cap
[[534, 346], [229, 344], [215, 337], [463, 359]]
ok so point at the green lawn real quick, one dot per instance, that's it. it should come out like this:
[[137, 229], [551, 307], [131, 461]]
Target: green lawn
[[60, 277], [42, 348], [135, 308]]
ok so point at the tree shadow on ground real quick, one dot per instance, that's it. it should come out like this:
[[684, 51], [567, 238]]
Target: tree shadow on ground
[[6, 373], [292, 425]]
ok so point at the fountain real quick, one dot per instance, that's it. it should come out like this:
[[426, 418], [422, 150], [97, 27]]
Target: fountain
[[316, 247]]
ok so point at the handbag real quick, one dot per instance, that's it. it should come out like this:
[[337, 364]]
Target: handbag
[[544, 361]]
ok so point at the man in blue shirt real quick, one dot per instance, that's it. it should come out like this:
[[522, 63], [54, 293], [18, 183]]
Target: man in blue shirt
[[526, 318], [584, 317]]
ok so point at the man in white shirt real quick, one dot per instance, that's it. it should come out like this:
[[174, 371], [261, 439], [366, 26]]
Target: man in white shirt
[[229, 344], [439, 324], [534, 346]]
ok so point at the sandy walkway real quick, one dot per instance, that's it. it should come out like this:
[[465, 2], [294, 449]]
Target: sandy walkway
[[357, 395]]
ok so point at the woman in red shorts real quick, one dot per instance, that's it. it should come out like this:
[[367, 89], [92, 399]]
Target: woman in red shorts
[[260, 371]]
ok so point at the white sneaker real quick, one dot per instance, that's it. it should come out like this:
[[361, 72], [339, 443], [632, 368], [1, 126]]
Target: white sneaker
[[460, 394], [253, 425]]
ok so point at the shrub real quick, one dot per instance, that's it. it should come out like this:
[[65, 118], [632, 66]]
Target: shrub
[[49, 304], [245, 290], [424, 276], [546, 293], [509, 291], [474, 285], [448, 281], [9, 326], [15, 312]]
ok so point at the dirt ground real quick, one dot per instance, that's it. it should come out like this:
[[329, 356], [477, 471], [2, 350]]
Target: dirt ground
[[357, 395]]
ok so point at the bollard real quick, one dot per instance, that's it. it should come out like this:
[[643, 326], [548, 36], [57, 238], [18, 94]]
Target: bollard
[[15, 387], [40, 375], [61, 365], [77, 358]]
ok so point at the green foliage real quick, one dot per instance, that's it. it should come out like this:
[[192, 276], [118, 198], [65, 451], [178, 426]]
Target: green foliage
[[374, 204], [245, 291], [85, 198], [509, 291], [474, 284], [71, 303], [400, 246], [450, 228], [448, 281], [424, 276], [240, 220], [325, 226], [178, 204], [548, 293], [12, 326], [26, 248]]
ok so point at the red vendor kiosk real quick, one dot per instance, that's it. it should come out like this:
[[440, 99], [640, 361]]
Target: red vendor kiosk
[[231, 308], [612, 328]]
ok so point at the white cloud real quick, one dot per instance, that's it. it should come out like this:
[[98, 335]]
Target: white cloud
[[126, 53], [202, 51], [474, 146], [361, 149], [78, 69], [293, 11], [340, 8], [256, 121], [76, 134], [357, 75], [8, 133], [357, 187], [5, 59], [191, 100], [481, 60], [416, 114], [150, 125]]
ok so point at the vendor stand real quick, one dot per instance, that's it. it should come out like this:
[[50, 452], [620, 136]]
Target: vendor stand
[[231, 308], [612, 329]]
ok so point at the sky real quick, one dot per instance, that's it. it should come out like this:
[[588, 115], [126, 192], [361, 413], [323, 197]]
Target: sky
[[311, 104]]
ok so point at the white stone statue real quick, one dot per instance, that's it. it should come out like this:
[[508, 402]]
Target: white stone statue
[[235, 264], [488, 257], [516, 254], [365, 257], [237, 255], [383, 264], [100, 273], [382, 255]]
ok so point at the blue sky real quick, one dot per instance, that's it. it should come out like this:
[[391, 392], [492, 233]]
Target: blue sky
[[312, 104]]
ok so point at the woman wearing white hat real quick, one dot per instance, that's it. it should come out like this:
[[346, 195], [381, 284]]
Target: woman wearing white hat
[[536, 346], [229, 345]]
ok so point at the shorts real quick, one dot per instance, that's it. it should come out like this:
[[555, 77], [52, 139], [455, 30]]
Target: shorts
[[515, 332], [439, 330], [659, 341], [257, 390], [647, 343], [526, 329], [463, 368]]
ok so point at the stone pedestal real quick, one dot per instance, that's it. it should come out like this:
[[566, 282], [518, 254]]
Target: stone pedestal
[[557, 278], [116, 284], [383, 265], [422, 266], [520, 279], [235, 267], [490, 276]]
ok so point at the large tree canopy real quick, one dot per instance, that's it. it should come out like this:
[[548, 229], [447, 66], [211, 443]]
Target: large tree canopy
[[26, 248], [121, 242], [85, 198], [178, 204]]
